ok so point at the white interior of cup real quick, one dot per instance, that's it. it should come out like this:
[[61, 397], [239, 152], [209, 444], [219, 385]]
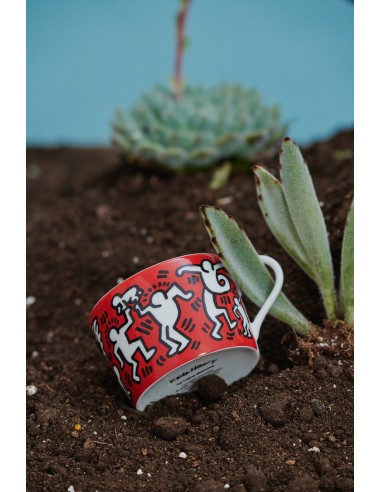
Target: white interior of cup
[[229, 364]]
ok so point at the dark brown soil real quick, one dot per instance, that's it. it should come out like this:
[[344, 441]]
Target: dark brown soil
[[286, 427]]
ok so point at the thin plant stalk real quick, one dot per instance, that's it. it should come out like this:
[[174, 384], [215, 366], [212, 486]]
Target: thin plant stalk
[[178, 83]]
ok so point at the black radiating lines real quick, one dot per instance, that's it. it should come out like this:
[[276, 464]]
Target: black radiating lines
[[188, 325], [193, 279], [160, 361], [225, 300], [195, 345], [104, 317], [147, 371], [162, 274], [196, 305]]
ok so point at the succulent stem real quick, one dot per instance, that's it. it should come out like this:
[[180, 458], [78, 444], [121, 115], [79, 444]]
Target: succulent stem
[[330, 302], [180, 47]]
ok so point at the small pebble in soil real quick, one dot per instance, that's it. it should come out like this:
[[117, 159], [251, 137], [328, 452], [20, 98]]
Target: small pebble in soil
[[102, 211], [30, 300], [211, 388], [35, 354], [169, 428], [49, 336], [182, 455], [224, 200], [135, 260], [70, 488], [119, 280], [123, 417], [31, 390], [139, 472], [314, 449], [105, 253], [226, 486], [314, 444]]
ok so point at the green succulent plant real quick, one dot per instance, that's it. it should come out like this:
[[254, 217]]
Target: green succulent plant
[[188, 127], [293, 214], [204, 127]]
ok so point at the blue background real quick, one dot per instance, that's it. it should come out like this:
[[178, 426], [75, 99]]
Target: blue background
[[85, 58]]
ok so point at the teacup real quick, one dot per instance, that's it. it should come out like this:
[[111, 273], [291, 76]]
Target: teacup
[[175, 322]]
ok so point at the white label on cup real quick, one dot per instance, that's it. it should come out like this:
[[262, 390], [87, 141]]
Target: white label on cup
[[230, 364]]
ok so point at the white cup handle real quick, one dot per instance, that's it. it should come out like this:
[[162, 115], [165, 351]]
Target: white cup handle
[[255, 326]]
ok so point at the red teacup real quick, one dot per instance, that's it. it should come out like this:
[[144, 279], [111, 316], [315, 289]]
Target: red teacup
[[171, 324]]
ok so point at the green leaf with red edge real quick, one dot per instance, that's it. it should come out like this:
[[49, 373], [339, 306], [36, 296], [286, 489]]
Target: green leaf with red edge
[[308, 219], [242, 261], [273, 205]]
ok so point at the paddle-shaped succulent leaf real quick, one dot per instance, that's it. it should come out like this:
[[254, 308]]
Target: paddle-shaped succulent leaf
[[303, 233], [203, 127], [347, 270], [242, 260], [274, 208]]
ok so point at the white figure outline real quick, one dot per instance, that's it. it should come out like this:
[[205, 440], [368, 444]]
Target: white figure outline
[[240, 313], [122, 302], [214, 283], [97, 334], [122, 345], [165, 311]]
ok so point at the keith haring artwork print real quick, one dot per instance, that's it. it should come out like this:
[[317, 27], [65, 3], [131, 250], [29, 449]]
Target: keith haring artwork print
[[167, 315]]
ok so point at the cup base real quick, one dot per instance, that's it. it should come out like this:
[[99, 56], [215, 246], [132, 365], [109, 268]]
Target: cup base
[[229, 364]]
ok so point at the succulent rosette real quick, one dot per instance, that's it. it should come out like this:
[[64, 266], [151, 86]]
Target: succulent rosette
[[202, 128]]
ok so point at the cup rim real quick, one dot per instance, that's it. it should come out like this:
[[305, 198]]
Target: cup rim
[[200, 356], [144, 270]]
